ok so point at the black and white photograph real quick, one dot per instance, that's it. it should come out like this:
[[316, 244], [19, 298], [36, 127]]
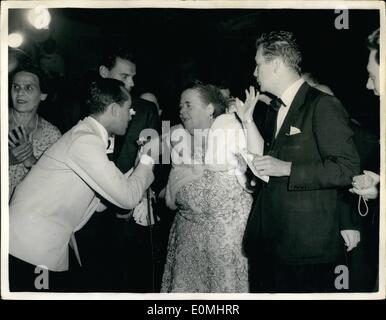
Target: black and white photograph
[[179, 149]]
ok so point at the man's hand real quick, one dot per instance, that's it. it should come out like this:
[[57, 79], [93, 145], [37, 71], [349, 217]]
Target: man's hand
[[368, 194], [270, 166], [351, 238], [366, 185], [152, 148]]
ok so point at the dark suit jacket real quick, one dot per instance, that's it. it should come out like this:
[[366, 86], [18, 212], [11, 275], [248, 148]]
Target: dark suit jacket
[[297, 219]]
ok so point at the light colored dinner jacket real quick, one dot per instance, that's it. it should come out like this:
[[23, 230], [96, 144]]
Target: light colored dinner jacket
[[58, 196]]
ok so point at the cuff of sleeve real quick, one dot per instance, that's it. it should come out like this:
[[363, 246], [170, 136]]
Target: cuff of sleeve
[[247, 121], [146, 160], [297, 180]]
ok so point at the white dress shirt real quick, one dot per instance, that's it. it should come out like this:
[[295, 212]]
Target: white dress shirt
[[287, 97], [58, 196]]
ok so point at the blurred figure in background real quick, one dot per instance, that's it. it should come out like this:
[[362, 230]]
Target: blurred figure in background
[[313, 82], [50, 60], [17, 57], [52, 64], [148, 96]]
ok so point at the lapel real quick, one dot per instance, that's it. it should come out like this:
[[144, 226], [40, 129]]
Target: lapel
[[292, 115], [138, 121]]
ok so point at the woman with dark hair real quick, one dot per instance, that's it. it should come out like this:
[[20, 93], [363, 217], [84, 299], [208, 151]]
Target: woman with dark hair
[[29, 134], [207, 186]]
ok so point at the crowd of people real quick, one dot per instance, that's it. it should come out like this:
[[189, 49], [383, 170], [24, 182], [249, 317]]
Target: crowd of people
[[253, 206]]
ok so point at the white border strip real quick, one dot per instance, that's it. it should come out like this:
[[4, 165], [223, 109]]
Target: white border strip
[[245, 4]]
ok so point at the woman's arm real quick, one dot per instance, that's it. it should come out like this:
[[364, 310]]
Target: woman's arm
[[255, 142]]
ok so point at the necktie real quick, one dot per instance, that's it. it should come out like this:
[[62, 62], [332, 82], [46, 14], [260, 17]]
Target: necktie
[[276, 103], [271, 121]]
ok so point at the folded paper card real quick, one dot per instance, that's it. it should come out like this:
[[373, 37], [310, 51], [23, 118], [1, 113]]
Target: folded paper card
[[248, 159]]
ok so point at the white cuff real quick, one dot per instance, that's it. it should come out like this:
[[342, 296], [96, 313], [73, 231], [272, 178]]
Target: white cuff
[[147, 160], [247, 121]]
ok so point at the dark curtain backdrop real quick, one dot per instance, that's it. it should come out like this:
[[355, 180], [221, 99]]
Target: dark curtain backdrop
[[173, 46]]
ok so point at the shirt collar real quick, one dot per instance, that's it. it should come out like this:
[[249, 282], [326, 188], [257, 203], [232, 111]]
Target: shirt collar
[[289, 94], [102, 130]]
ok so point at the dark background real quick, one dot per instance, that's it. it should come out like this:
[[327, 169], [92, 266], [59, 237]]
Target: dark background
[[214, 45]]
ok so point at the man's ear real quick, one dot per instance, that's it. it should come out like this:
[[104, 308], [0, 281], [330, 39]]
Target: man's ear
[[276, 64], [103, 72], [43, 96], [113, 108]]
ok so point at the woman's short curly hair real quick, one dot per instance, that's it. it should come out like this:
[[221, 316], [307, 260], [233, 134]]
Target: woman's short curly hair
[[211, 94], [39, 73]]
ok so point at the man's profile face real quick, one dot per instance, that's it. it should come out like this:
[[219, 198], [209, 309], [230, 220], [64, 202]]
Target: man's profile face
[[263, 71], [373, 70], [123, 70], [123, 116]]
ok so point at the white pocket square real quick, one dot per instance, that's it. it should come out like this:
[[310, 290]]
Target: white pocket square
[[294, 130]]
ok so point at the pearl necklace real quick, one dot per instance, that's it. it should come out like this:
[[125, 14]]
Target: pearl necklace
[[19, 125]]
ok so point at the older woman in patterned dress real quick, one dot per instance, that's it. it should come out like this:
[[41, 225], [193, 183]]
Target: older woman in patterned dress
[[212, 201]]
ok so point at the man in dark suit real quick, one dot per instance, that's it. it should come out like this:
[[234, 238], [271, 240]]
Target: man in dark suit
[[293, 235], [113, 240], [131, 241], [373, 83], [364, 262], [118, 64]]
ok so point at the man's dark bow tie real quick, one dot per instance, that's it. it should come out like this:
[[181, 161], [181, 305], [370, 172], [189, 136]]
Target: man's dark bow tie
[[276, 103]]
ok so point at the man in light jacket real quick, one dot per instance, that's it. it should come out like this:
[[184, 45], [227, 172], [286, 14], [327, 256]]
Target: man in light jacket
[[64, 189]]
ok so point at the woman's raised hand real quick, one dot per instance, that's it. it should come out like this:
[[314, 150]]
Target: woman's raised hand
[[20, 147], [245, 110], [17, 137]]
